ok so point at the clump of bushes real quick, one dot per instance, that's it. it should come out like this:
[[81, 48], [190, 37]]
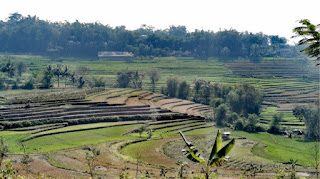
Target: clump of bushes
[[19, 124], [275, 124], [29, 84], [223, 116]]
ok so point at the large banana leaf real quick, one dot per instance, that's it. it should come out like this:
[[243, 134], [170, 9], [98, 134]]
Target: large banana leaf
[[218, 157], [217, 145], [191, 152]]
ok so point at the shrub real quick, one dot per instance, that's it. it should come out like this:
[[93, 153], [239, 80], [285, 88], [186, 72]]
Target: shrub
[[216, 102], [18, 124], [29, 84], [233, 118], [98, 82], [249, 128], [15, 85], [252, 123], [239, 125], [123, 79], [275, 125]]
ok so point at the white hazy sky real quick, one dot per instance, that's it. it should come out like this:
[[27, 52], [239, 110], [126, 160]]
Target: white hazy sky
[[272, 17]]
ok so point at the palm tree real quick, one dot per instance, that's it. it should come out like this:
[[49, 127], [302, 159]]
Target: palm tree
[[65, 74], [48, 73], [58, 72], [216, 156], [8, 68], [311, 37], [154, 78]]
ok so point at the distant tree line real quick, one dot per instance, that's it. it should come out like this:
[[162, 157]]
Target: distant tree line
[[29, 34]]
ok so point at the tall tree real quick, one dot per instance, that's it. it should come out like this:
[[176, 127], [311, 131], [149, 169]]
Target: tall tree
[[136, 78], [310, 115], [205, 93], [73, 78], [8, 68], [172, 86], [184, 90], [65, 74], [47, 76], [58, 72], [154, 78], [196, 88], [221, 114], [310, 34]]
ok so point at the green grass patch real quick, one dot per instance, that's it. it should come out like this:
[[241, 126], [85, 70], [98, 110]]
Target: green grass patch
[[81, 138], [84, 126], [12, 139], [278, 148]]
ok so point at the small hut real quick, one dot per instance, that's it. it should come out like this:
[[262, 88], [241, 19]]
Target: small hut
[[225, 135], [108, 55]]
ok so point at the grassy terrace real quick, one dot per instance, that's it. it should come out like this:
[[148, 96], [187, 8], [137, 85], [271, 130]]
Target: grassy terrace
[[70, 139], [85, 127], [258, 148], [288, 120], [266, 148], [76, 139], [280, 149]]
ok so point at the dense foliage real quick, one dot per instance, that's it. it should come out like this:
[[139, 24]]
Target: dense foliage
[[20, 34], [311, 116], [235, 106]]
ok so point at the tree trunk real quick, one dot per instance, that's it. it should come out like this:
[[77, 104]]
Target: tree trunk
[[58, 81]]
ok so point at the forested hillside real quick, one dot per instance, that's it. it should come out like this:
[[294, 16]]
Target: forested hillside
[[30, 34]]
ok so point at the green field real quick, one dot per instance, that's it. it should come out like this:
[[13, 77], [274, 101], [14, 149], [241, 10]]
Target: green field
[[67, 140], [283, 88], [268, 148]]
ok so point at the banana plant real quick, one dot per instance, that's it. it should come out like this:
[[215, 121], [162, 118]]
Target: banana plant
[[216, 156]]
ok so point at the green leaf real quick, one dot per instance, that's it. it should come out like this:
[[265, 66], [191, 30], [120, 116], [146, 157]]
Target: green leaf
[[217, 145], [191, 153], [216, 160]]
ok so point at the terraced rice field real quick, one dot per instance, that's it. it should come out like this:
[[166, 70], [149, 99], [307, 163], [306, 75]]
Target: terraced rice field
[[60, 132], [44, 118], [256, 149], [284, 81], [116, 135], [116, 114]]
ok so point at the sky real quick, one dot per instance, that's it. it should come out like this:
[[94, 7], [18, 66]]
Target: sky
[[272, 17]]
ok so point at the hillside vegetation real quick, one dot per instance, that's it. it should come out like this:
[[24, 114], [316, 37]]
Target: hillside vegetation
[[57, 125]]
